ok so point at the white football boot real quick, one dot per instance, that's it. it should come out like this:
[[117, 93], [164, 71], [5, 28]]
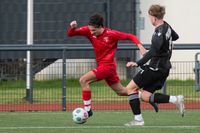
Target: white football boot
[[134, 123]]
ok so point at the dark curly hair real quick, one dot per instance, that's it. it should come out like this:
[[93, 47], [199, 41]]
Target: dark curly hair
[[96, 20]]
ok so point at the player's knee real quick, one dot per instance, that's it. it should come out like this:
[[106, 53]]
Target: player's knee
[[132, 90], [145, 96], [82, 81]]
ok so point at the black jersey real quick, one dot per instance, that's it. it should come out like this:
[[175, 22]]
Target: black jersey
[[161, 48]]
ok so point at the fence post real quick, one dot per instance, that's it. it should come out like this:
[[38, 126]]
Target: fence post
[[197, 72], [164, 89], [64, 77], [29, 78]]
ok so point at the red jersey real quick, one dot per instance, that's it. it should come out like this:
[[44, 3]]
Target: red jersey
[[105, 45]]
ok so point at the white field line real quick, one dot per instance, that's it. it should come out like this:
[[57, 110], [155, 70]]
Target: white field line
[[98, 127]]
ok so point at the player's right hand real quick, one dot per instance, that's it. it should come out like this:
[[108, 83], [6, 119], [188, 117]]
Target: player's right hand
[[73, 24]]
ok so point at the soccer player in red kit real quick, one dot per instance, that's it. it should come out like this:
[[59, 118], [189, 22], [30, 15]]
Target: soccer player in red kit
[[104, 41]]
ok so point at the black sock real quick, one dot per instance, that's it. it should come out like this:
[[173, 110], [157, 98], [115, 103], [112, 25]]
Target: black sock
[[135, 103], [151, 101], [159, 98]]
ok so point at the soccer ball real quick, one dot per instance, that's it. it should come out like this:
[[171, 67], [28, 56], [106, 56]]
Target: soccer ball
[[79, 115]]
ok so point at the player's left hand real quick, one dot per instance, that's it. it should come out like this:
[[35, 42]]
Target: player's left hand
[[131, 64]]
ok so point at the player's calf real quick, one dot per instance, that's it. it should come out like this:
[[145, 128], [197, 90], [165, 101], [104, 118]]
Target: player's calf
[[148, 97], [155, 106]]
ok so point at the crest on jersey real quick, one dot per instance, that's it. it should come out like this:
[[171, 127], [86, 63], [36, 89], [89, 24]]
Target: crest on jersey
[[159, 33], [106, 39]]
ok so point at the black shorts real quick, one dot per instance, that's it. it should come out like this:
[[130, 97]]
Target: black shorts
[[150, 79]]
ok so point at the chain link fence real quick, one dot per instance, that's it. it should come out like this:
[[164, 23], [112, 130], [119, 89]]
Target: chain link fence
[[47, 86]]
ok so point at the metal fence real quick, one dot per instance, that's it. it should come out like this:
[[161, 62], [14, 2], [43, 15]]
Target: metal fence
[[48, 85]]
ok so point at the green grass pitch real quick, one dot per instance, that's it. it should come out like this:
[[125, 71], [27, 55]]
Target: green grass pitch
[[166, 121]]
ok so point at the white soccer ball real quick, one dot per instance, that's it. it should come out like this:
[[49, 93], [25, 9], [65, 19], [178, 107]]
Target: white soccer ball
[[79, 115]]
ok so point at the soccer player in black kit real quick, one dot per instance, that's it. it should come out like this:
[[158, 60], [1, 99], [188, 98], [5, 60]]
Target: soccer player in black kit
[[151, 77]]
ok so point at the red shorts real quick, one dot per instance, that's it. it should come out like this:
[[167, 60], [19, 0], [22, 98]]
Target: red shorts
[[107, 73]]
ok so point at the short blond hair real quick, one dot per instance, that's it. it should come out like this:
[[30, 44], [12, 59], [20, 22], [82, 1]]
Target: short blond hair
[[157, 11]]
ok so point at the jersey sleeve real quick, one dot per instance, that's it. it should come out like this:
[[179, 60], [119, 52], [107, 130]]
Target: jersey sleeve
[[157, 42], [174, 35], [82, 31], [146, 57], [125, 36]]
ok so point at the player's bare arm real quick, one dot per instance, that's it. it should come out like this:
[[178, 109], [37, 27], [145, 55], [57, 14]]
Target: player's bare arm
[[143, 51]]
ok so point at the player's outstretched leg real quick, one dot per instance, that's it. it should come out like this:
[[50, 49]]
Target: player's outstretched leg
[[163, 98]]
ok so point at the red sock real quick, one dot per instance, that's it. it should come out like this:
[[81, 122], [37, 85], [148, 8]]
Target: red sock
[[86, 96]]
